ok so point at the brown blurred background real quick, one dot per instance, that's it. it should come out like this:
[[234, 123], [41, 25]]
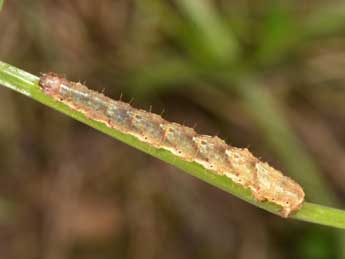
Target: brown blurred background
[[268, 75]]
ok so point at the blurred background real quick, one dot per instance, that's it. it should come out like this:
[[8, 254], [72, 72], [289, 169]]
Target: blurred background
[[268, 75]]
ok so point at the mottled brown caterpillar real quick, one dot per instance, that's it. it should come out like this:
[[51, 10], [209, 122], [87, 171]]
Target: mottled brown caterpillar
[[265, 182]]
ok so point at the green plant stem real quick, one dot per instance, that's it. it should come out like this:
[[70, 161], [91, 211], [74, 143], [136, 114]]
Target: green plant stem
[[219, 39], [27, 84]]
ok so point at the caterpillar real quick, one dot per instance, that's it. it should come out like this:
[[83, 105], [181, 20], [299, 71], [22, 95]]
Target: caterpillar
[[211, 152]]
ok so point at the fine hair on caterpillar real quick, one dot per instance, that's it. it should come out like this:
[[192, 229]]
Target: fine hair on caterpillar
[[211, 152]]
